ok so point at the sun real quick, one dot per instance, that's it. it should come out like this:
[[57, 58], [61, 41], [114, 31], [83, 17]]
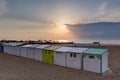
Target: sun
[[62, 25]]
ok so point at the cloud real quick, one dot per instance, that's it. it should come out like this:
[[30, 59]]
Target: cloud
[[100, 13], [102, 9], [103, 24], [13, 24], [2, 6], [111, 16], [100, 30], [23, 29], [104, 14]]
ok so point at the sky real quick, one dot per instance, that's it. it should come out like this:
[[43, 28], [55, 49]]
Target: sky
[[60, 19]]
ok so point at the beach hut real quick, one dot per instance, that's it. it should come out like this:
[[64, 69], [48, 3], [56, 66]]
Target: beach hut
[[38, 52], [6, 48], [17, 50], [95, 60], [74, 57], [60, 56], [24, 50], [13, 48], [47, 54], [1, 48], [31, 51]]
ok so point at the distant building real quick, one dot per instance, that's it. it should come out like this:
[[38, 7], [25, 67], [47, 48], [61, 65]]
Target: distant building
[[97, 43]]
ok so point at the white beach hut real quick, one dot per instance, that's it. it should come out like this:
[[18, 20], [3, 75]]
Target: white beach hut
[[24, 50], [13, 48], [6, 48], [38, 52], [95, 60], [60, 56], [74, 57], [31, 51], [17, 49]]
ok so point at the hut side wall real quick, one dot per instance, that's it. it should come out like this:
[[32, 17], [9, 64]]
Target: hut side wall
[[23, 52], [17, 51], [31, 53], [11, 50], [6, 49], [104, 62], [38, 54]]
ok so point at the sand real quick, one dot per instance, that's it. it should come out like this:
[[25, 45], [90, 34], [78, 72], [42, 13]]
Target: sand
[[18, 68]]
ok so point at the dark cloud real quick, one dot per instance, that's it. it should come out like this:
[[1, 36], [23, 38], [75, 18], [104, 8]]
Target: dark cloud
[[100, 30]]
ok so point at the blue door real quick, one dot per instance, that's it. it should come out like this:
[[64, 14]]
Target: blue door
[[1, 49]]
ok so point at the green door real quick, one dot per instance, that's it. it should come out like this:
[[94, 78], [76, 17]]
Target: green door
[[44, 56], [47, 56], [50, 57]]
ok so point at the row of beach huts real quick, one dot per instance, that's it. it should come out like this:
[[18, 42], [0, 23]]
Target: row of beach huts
[[89, 59]]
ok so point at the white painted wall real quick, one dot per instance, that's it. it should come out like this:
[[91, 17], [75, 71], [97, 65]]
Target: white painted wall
[[74, 62], [6, 49], [59, 59], [17, 51], [10, 50], [92, 65], [38, 54], [23, 51], [104, 62], [13, 50], [31, 53]]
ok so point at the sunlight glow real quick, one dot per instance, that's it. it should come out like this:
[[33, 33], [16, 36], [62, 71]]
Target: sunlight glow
[[63, 40], [62, 25]]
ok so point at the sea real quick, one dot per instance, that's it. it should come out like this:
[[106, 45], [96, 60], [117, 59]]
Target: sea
[[107, 42]]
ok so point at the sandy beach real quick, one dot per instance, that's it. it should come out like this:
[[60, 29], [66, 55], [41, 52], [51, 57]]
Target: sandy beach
[[18, 68]]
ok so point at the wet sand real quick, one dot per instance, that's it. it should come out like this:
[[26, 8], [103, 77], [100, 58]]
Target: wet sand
[[18, 68]]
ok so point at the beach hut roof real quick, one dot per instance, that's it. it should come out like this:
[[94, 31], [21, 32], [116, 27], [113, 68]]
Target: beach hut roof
[[95, 51], [52, 47], [42, 46], [13, 44], [62, 49], [77, 50], [34, 45], [28, 45], [31, 45]]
